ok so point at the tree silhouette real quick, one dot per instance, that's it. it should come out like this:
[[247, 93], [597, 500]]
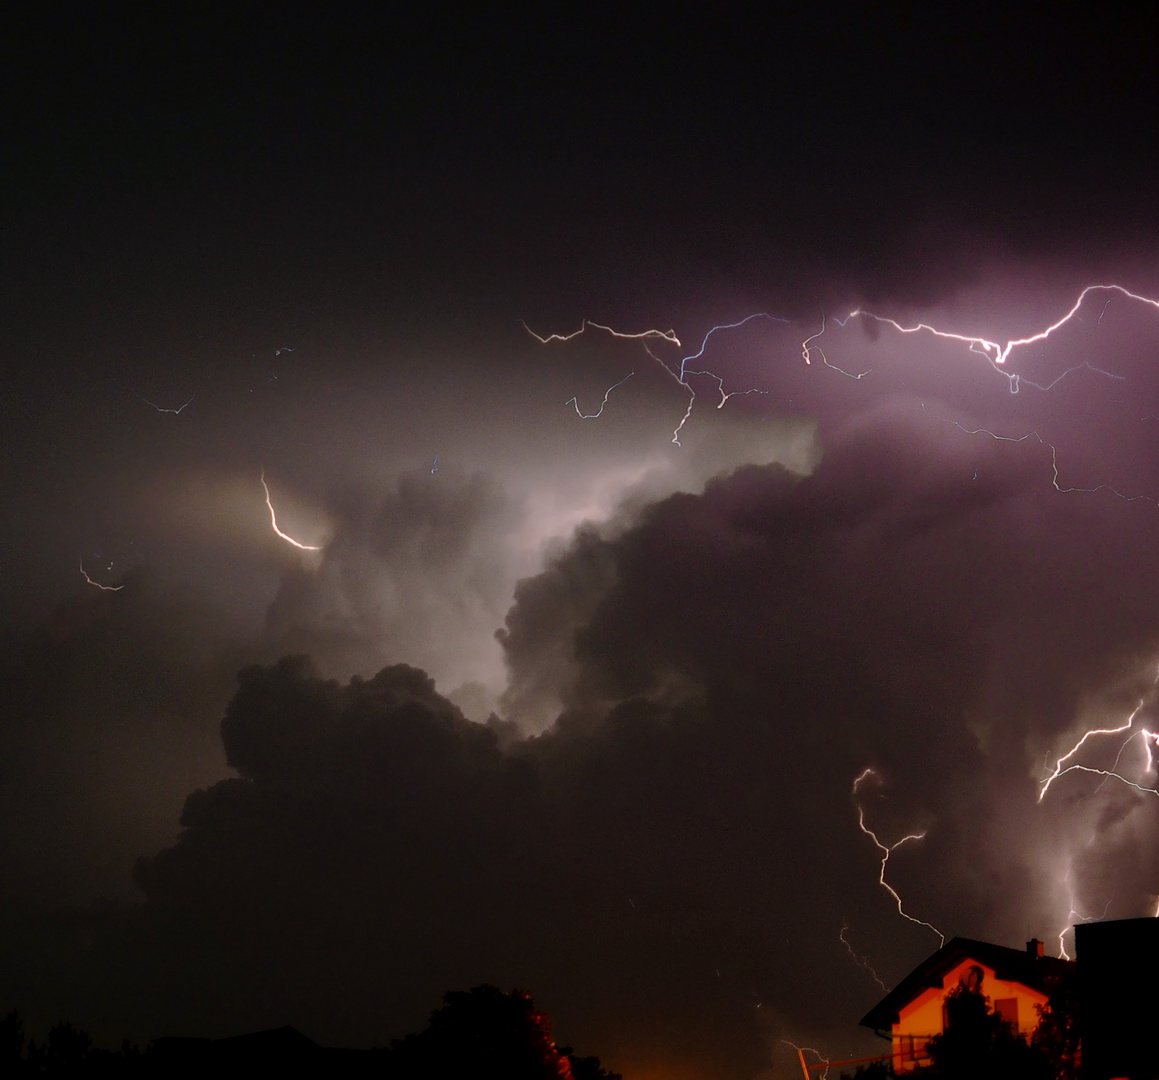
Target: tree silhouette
[[587, 1068], [11, 1045], [877, 1070], [487, 1034], [978, 1044], [66, 1052], [1057, 1035]]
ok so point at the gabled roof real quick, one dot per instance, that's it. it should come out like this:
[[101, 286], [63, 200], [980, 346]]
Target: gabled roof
[[1014, 965], [282, 1040]]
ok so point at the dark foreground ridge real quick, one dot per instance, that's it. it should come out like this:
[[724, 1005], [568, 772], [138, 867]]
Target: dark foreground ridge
[[278, 1049], [484, 1032]]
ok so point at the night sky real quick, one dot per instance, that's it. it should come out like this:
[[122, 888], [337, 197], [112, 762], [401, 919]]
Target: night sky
[[562, 703]]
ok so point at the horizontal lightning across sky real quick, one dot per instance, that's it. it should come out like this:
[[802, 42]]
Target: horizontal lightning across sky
[[643, 335], [995, 352]]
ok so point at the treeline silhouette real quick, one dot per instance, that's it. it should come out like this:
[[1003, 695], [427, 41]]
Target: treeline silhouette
[[484, 1033]]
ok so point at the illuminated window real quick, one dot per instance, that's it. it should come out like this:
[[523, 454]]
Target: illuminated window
[[1007, 1009]]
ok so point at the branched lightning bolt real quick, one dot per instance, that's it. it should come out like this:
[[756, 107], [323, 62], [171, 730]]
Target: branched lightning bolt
[[643, 336], [1014, 380], [860, 961], [1111, 774], [1066, 764], [996, 353], [274, 522], [175, 412], [97, 584], [682, 375], [886, 851], [1147, 737]]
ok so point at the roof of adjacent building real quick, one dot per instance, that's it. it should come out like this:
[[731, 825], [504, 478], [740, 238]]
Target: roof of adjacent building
[[1014, 965]]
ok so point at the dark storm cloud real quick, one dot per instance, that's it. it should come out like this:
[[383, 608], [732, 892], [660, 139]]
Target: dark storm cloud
[[107, 720], [682, 846], [888, 610], [422, 573], [668, 864], [891, 559], [550, 609], [421, 568]]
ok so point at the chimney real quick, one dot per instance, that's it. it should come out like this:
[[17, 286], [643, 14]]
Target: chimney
[[1034, 948]]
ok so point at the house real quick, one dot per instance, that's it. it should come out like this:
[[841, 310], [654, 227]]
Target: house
[[1015, 981]]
